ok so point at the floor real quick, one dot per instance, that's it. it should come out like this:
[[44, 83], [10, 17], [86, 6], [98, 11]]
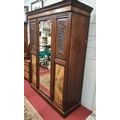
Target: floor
[[91, 117], [46, 111]]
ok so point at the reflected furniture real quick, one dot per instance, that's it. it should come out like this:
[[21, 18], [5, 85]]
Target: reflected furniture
[[27, 70], [69, 33]]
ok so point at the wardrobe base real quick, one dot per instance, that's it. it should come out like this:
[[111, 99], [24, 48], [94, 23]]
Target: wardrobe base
[[54, 106]]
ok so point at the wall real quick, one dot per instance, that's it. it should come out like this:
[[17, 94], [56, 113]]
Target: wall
[[89, 82]]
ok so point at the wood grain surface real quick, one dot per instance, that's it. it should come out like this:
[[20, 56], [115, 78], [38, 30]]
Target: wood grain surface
[[59, 78], [34, 69]]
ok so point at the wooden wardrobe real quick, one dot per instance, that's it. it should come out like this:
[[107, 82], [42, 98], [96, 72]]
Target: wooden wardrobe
[[66, 24]]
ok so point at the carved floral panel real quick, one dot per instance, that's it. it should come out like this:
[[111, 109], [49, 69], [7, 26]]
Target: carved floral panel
[[61, 37]]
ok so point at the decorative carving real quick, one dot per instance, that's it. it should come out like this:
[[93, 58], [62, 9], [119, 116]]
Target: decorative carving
[[60, 55], [61, 24], [33, 36], [61, 38]]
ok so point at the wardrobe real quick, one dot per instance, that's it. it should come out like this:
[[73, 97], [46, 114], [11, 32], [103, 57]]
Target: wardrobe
[[58, 40]]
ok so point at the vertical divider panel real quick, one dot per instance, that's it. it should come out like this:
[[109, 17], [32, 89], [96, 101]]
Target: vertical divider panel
[[60, 58]]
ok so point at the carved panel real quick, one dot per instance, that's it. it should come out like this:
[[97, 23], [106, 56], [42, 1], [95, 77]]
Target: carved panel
[[33, 36], [60, 55], [34, 69], [58, 88], [61, 24], [61, 37]]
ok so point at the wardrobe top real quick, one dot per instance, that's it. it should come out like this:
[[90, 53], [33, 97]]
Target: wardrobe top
[[63, 6]]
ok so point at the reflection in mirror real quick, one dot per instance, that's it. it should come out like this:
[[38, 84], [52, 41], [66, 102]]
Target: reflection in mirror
[[44, 55]]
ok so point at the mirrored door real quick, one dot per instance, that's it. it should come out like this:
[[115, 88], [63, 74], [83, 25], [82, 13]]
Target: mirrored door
[[45, 56]]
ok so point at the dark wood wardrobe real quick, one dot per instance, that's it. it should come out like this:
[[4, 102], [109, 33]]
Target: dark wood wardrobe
[[58, 39]]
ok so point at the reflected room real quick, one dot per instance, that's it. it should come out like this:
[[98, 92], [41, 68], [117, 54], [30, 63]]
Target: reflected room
[[44, 56]]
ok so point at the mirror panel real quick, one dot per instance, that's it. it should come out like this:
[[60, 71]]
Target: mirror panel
[[45, 56]]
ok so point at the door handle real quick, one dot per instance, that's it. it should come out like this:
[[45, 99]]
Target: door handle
[[86, 40]]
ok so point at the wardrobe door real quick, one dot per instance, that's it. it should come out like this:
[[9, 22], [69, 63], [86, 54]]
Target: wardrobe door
[[60, 58], [33, 51]]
